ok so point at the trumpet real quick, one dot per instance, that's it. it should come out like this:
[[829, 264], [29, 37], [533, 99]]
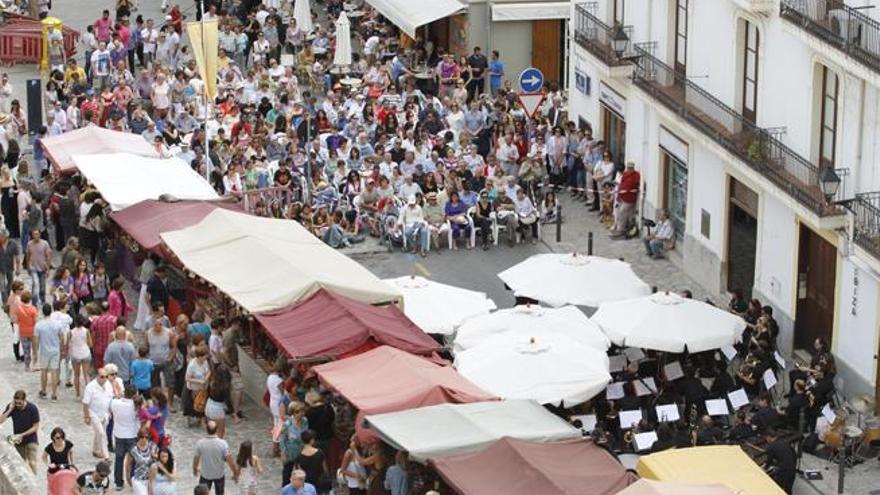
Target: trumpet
[[630, 434]]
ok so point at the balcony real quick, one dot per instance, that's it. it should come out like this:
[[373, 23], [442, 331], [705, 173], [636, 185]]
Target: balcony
[[835, 23], [756, 6], [757, 147], [866, 222], [596, 37]]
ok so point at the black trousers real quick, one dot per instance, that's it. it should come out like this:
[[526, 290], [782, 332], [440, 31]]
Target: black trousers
[[485, 226], [218, 484]]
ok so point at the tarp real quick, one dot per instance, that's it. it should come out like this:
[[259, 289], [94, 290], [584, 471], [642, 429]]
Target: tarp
[[328, 324], [651, 487], [530, 11], [265, 263], [92, 139], [573, 467], [146, 220], [726, 464], [125, 179], [409, 15], [449, 429]]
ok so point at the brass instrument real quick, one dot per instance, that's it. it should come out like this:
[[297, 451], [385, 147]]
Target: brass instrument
[[630, 434], [693, 416]]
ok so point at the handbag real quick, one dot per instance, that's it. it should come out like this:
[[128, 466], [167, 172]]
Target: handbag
[[529, 219], [200, 400]]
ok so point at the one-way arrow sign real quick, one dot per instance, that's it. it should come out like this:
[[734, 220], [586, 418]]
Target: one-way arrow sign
[[531, 102], [531, 80]]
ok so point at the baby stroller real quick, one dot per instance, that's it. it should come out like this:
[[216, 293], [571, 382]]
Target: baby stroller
[[392, 233]]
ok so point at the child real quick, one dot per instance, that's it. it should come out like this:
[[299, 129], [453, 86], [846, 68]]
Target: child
[[142, 371], [249, 467], [158, 411], [606, 214], [100, 283]]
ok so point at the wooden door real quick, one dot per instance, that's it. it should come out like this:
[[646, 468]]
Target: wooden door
[[817, 269], [546, 53]]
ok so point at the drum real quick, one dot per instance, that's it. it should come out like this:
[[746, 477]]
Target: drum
[[852, 432], [872, 431]]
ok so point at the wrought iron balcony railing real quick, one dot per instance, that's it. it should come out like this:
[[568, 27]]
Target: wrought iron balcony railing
[[596, 37], [839, 25], [866, 222], [763, 152]]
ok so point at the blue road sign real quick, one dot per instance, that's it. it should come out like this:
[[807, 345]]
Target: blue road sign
[[531, 80]]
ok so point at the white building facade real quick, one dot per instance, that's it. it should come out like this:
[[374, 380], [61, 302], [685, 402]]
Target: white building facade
[[740, 115]]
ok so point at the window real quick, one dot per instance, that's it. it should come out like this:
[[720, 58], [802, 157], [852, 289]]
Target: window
[[828, 122], [750, 72], [618, 11], [681, 23]]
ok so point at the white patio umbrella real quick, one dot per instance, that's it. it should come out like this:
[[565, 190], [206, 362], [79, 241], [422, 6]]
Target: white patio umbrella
[[342, 55], [302, 12], [524, 321], [551, 369], [560, 279], [439, 308], [668, 322]]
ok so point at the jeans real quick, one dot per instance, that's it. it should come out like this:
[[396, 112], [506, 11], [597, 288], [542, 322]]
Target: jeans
[[654, 247], [218, 484], [6, 279], [26, 343], [123, 446], [417, 233], [38, 287]]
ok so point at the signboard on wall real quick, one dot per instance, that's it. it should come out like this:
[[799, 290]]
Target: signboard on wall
[[582, 82], [673, 145], [612, 99]]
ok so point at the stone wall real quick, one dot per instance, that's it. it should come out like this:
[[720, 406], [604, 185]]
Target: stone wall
[[16, 477]]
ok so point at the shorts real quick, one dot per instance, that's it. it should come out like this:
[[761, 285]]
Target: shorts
[[75, 360], [28, 451], [215, 410], [50, 361], [237, 383]]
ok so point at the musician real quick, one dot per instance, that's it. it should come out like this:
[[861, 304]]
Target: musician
[[723, 382], [781, 461], [630, 401], [797, 402], [692, 389], [766, 416], [741, 430], [707, 433], [820, 353], [747, 375], [665, 438]]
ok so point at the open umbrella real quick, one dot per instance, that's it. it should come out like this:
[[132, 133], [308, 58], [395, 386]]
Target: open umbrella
[[342, 55], [439, 308], [668, 322], [526, 321], [560, 279], [302, 12], [550, 369]]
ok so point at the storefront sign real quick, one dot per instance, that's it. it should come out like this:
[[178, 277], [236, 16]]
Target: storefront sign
[[612, 100], [673, 145]]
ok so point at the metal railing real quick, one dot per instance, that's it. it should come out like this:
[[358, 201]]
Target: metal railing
[[596, 36], [866, 222], [839, 25], [755, 146]]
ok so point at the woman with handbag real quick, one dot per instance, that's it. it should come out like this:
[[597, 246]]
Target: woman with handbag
[[195, 394]]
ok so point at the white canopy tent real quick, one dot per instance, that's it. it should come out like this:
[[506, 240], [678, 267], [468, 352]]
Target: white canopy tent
[[266, 263], [302, 12], [439, 308], [447, 429], [560, 279], [668, 322], [409, 15], [125, 179], [524, 321], [342, 53], [550, 369]]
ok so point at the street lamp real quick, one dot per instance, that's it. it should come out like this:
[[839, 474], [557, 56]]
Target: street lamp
[[619, 40], [829, 183]]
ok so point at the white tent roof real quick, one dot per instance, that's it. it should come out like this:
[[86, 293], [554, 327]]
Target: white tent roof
[[439, 308], [266, 263], [448, 429], [531, 321], [125, 179], [408, 15]]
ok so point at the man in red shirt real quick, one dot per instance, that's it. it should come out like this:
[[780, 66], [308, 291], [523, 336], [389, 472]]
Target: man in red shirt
[[627, 200], [26, 316], [102, 327]]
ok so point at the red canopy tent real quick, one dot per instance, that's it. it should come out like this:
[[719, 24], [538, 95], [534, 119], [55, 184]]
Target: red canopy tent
[[144, 221], [92, 140], [328, 324], [573, 467]]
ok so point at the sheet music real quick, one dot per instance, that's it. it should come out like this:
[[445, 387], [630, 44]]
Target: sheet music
[[729, 352], [738, 398], [717, 407], [769, 378], [629, 418], [614, 391], [673, 371], [644, 440], [828, 414], [634, 354], [779, 359], [667, 413], [588, 422], [616, 363], [645, 386]]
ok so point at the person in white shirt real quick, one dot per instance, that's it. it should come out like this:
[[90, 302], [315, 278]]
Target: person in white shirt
[[125, 431], [508, 155], [412, 219], [150, 36], [5, 93], [662, 237], [526, 217], [96, 411], [409, 188], [60, 115]]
